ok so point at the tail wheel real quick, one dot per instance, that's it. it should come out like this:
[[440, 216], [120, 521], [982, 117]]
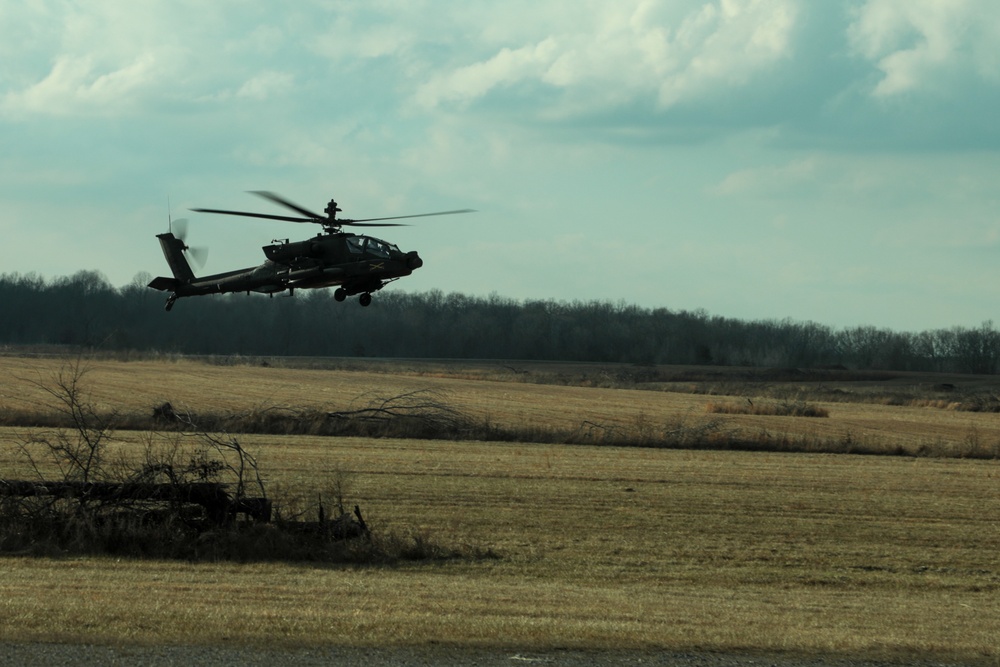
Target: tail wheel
[[365, 299]]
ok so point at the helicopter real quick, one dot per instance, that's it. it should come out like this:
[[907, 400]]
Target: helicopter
[[357, 264]]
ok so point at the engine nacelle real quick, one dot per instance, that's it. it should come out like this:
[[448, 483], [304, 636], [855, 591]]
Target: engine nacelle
[[286, 253]]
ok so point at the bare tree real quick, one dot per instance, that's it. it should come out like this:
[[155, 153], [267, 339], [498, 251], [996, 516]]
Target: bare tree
[[77, 452]]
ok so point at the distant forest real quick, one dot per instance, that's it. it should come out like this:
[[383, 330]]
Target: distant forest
[[86, 311]]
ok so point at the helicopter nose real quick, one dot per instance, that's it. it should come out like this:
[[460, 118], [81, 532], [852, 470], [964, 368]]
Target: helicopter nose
[[413, 260]]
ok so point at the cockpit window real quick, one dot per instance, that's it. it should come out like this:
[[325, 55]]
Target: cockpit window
[[377, 248], [356, 244]]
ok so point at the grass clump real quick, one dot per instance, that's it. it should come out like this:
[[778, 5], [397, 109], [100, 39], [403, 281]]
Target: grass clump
[[768, 408]]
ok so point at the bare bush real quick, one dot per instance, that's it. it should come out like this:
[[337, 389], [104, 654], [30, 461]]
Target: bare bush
[[181, 500], [77, 451], [415, 414]]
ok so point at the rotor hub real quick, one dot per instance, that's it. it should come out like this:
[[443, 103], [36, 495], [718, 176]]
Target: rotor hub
[[332, 209]]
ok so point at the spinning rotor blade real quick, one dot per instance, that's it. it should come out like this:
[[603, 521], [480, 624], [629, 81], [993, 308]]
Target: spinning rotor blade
[[352, 223], [278, 199], [196, 255], [327, 222], [255, 215], [179, 227], [361, 222]]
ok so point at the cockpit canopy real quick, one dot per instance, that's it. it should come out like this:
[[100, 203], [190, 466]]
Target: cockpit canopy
[[359, 245]]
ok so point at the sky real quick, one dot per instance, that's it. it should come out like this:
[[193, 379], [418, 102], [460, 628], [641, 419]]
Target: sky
[[830, 161]]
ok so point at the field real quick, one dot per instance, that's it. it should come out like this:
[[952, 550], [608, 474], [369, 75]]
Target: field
[[589, 546]]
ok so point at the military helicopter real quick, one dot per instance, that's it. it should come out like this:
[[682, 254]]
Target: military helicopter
[[358, 264]]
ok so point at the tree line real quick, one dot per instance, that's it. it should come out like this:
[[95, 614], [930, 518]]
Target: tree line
[[85, 310]]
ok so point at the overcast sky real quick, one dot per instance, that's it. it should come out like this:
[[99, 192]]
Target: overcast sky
[[834, 162]]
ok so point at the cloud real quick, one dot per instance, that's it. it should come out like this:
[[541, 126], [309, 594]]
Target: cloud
[[75, 86], [473, 81], [919, 45], [266, 84], [113, 59], [771, 179], [353, 35], [873, 74], [721, 46], [646, 49]]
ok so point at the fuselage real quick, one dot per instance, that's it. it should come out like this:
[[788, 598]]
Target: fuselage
[[359, 264]]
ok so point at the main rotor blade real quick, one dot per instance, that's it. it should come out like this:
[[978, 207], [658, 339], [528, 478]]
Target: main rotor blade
[[254, 215], [400, 217], [278, 199]]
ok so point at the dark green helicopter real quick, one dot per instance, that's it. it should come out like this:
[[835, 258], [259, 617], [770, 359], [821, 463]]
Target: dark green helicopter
[[358, 264]]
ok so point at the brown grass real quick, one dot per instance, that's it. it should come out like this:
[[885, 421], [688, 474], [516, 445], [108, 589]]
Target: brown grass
[[600, 546], [770, 408], [538, 410]]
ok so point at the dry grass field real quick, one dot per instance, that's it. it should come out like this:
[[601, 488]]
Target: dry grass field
[[597, 546]]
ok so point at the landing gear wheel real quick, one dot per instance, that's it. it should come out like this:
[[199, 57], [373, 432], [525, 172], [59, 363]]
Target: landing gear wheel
[[170, 303], [365, 299], [340, 294]]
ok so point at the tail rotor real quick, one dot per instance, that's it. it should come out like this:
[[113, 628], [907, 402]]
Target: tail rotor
[[197, 255]]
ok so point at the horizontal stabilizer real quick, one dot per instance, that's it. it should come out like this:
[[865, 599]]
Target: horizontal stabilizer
[[165, 284]]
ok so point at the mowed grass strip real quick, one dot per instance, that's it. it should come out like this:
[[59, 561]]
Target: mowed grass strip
[[193, 386], [600, 547]]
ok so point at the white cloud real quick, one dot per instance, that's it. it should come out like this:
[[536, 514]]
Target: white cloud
[[634, 50], [343, 39], [919, 45], [75, 86], [726, 46], [266, 84], [473, 81], [109, 58], [759, 180]]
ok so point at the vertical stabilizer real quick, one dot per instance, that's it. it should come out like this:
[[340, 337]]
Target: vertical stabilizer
[[173, 250]]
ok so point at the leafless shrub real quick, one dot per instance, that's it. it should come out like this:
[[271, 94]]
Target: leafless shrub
[[683, 432], [415, 414], [181, 499], [78, 451], [975, 446]]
